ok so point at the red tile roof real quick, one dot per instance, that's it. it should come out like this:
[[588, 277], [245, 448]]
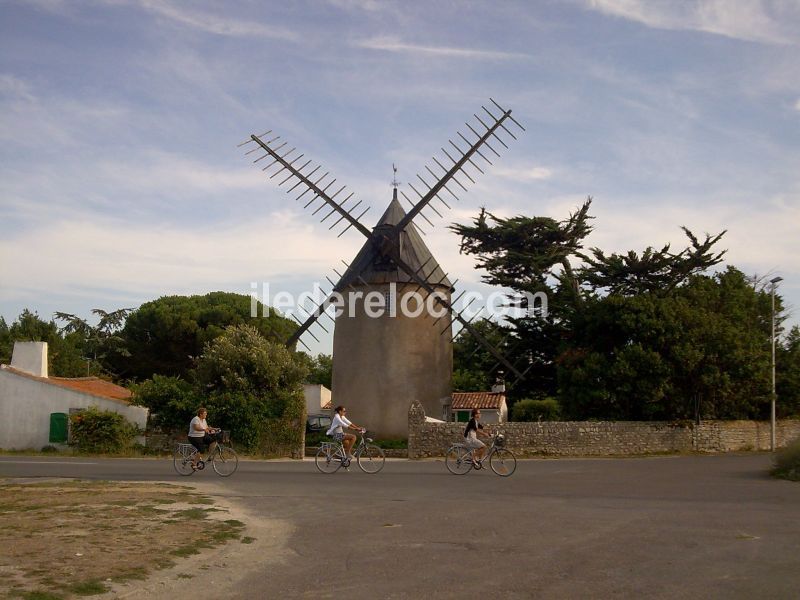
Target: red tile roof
[[93, 386], [470, 400]]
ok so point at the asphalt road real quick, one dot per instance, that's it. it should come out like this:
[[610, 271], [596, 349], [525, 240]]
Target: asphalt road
[[665, 527]]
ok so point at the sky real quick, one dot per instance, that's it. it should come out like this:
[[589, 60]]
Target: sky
[[121, 180]]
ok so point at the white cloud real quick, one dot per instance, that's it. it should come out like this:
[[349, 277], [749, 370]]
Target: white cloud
[[79, 255], [797, 104], [773, 22], [393, 44], [214, 23], [523, 173]]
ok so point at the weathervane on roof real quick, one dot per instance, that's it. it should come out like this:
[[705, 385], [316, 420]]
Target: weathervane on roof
[[395, 183]]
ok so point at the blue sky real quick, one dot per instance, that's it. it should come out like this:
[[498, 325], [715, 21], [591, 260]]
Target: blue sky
[[120, 179]]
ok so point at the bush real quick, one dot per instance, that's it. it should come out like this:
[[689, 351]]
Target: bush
[[171, 400], [547, 409], [101, 431], [787, 462]]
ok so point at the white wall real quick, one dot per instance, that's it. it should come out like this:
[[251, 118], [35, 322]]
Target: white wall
[[30, 357], [317, 396], [26, 404]]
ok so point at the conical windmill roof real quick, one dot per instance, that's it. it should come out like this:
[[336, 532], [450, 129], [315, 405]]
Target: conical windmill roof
[[413, 252]]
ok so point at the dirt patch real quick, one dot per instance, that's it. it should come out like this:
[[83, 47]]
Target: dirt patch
[[66, 538]]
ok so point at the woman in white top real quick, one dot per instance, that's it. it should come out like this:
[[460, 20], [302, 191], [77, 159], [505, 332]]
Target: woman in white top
[[200, 435], [340, 421]]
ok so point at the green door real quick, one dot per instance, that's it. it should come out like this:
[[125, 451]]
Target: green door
[[462, 416], [58, 428]]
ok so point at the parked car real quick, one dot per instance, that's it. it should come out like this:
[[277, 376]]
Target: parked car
[[315, 423]]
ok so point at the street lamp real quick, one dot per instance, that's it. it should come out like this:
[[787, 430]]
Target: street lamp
[[774, 283]]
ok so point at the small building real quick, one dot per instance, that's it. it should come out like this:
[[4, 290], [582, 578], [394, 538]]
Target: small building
[[35, 408], [318, 399], [491, 404]]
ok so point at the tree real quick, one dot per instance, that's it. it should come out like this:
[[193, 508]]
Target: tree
[[253, 386], [5, 343], [321, 370], [629, 336], [99, 342], [474, 367], [787, 379], [172, 401], [699, 352], [167, 335]]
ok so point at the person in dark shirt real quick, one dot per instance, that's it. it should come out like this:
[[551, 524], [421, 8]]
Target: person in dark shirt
[[473, 430]]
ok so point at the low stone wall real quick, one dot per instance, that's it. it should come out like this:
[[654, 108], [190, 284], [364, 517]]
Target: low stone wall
[[603, 438]]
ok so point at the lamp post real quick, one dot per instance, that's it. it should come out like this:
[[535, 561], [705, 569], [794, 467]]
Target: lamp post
[[774, 283]]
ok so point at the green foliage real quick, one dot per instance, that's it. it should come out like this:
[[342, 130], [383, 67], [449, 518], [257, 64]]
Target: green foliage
[[102, 431], [167, 335], [253, 386], [529, 409], [243, 360], [787, 378], [637, 335], [469, 380], [321, 370], [98, 343], [5, 343], [171, 400], [474, 366], [66, 350], [787, 462], [701, 351]]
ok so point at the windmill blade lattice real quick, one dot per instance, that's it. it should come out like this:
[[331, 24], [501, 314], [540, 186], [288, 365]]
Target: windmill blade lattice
[[310, 181], [486, 130], [483, 134]]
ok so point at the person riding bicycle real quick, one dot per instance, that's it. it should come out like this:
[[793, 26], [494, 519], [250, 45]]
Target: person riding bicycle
[[472, 431], [336, 430], [201, 435]]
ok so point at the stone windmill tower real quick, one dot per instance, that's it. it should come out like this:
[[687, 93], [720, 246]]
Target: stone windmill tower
[[400, 354], [383, 363]]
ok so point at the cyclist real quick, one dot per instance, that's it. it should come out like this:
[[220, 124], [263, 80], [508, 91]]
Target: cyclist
[[473, 430], [340, 421], [201, 435]]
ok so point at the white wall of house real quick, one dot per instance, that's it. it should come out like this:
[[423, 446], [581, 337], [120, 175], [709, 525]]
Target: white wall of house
[[26, 404], [488, 415], [317, 396]]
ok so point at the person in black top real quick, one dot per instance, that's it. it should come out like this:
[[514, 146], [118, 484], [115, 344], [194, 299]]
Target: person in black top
[[471, 433]]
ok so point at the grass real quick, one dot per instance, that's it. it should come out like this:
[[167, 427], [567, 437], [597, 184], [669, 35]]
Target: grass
[[84, 511], [787, 462], [40, 595], [88, 588]]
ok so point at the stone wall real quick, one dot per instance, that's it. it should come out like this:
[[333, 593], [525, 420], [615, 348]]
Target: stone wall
[[603, 438]]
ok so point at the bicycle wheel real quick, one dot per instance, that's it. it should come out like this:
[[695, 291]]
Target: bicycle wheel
[[458, 459], [182, 463], [371, 459], [503, 462], [225, 461], [328, 460]]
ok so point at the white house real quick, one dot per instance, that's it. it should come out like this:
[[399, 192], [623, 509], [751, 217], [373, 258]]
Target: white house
[[35, 408], [318, 399], [491, 404]]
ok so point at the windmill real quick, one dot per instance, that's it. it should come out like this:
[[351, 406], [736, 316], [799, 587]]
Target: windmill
[[380, 365]]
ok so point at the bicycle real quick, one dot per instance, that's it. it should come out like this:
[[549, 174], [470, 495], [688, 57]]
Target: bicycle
[[223, 458], [461, 460], [331, 456]]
